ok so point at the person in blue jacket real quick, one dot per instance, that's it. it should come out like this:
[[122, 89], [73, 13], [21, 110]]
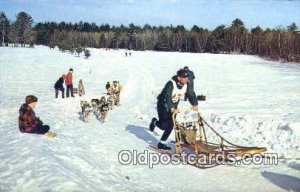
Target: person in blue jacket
[[191, 75], [58, 86]]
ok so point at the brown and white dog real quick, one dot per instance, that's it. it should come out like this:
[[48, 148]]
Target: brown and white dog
[[111, 101], [100, 108], [95, 103], [86, 109], [103, 108]]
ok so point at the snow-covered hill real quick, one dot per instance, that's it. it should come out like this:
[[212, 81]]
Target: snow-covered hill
[[249, 100]]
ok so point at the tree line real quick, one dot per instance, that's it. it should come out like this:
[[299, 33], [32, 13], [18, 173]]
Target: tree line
[[281, 43]]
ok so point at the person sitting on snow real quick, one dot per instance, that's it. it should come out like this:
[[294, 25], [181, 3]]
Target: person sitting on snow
[[175, 90], [28, 122], [58, 86], [81, 90], [115, 89]]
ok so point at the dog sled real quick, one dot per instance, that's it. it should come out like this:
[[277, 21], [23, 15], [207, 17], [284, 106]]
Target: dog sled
[[193, 135]]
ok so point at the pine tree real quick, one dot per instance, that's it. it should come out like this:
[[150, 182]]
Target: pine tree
[[79, 50], [4, 28], [13, 34], [87, 53], [23, 25], [292, 27], [237, 32], [280, 43]]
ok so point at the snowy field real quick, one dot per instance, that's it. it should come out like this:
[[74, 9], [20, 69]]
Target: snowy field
[[249, 100]]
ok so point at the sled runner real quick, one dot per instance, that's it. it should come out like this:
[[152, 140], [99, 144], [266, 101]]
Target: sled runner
[[181, 159], [194, 135], [192, 132]]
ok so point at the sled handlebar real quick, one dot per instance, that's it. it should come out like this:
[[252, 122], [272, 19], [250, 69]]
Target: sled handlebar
[[183, 110], [186, 109]]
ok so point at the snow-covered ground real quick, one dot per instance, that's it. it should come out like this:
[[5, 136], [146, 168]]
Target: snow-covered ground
[[249, 100]]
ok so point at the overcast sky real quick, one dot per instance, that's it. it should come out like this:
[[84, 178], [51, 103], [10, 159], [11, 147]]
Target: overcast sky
[[204, 13]]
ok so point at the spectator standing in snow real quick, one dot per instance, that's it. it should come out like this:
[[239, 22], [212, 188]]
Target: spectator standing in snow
[[69, 82], [116, 89], [58, 86], [191, 76]]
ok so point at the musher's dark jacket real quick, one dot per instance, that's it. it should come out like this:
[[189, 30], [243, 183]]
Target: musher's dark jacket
[[165, 97]]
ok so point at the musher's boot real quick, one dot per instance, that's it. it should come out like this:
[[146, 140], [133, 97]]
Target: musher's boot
[[163, 146], [152, 124]]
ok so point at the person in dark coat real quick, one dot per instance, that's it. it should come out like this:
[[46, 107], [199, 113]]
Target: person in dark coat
[[58, 86], [174, 91], [191, 76], [107, 87], [28, 122]]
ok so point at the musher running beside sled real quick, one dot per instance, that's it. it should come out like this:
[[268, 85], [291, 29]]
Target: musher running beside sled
[[174, 91]]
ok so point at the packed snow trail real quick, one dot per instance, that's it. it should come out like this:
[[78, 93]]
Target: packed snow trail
[[84, 156]]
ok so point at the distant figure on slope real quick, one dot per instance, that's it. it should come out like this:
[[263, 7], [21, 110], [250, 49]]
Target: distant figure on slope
[[191, 76], [28, 122], [69, 83], [175, 89], [81, 90], [58, 86], [116, 89]]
